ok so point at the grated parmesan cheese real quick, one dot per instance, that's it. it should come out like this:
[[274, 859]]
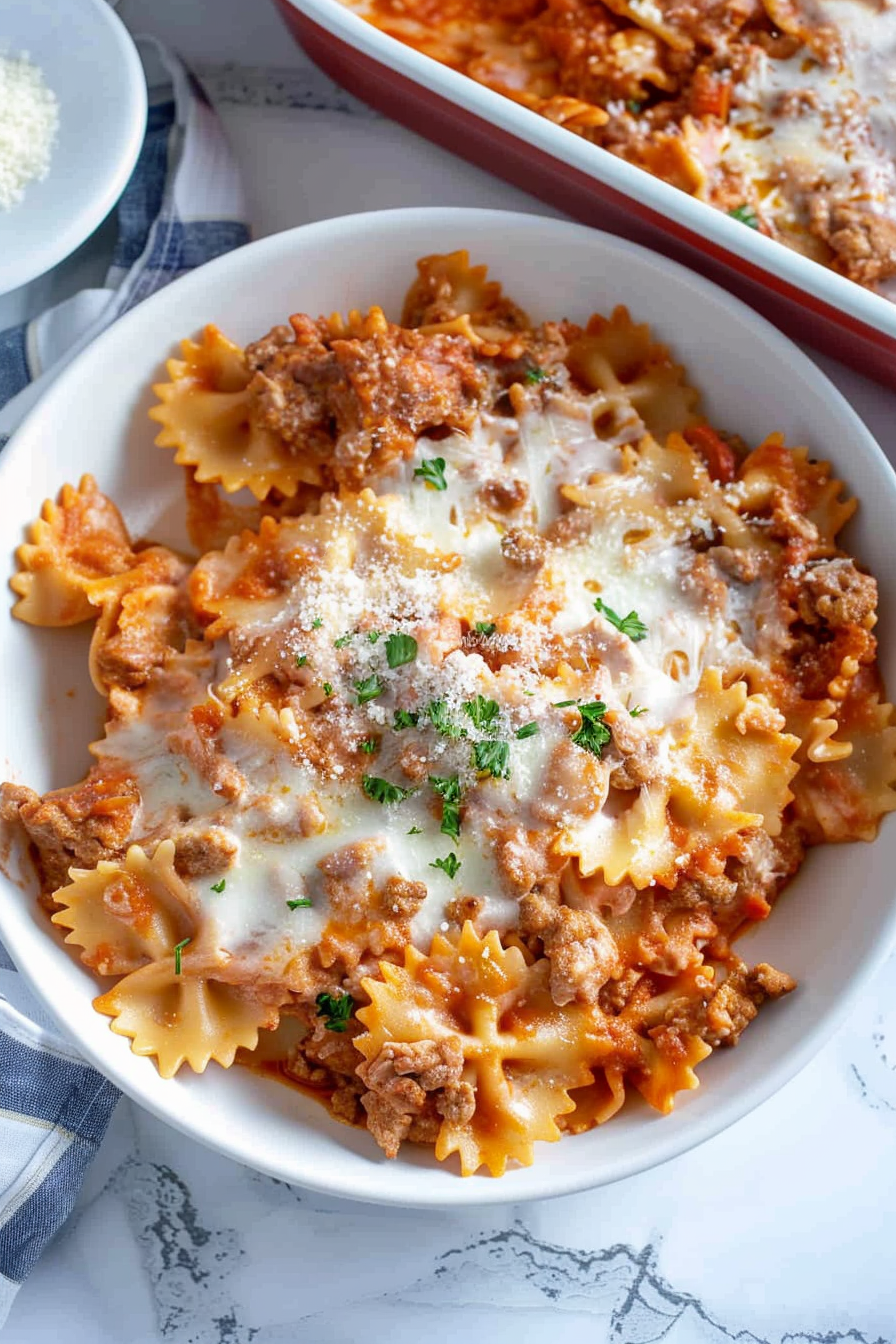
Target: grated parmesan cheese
[[29, 118]]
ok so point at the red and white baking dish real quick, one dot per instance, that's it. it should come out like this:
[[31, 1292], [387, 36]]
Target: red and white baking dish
[[805, 299]]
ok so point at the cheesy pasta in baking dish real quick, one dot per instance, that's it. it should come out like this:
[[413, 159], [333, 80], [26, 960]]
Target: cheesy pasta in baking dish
[[505, 694], [780, 112]]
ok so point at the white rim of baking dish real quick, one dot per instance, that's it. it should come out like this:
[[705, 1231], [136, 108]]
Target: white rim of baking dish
[[636, 183], [23, 936]]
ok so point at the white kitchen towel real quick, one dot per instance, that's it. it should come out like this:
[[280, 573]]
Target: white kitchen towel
[[182, 206]]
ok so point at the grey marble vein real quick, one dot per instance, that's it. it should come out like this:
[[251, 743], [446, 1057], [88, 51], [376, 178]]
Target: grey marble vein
[[620, 1282], [872, 1055]]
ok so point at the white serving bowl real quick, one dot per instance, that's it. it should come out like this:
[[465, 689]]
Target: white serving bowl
[[832, 928]]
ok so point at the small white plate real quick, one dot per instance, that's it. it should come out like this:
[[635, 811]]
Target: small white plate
[[91, 64], [832, 928]]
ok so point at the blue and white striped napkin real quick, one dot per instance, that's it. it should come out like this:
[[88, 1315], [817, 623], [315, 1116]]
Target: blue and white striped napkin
[[182, 206]]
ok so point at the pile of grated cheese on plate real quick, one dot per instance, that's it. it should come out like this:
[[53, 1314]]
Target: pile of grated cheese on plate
[[29, 118]]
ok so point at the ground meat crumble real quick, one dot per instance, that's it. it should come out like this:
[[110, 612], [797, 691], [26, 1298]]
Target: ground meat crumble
[[403, 1078], [359, 402]]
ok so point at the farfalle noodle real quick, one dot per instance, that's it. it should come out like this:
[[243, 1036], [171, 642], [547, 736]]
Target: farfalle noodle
[[207, 414], [78, 539], [181, 1019], [505, 694], [521, 1052], [125, 914]]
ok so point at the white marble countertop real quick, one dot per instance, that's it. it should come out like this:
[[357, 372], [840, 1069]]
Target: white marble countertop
[[782, 1228]]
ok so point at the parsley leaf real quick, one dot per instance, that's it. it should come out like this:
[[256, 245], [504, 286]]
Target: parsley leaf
[[483, 712], [219, 886], [301, 659], [404, 718], [485, 627], [491, 758], [415, 830], [368, 746], [450, 865], [341, 642], [336, 1008], [400, 649], [369, 689], [302, 904], [637, 711], [432, 471], [744, 214], [449, 790], [381, 791], [527, 730], [328, 689], [593, 735], [536, 375], [178, 948], [316, 623], [373, 635], [630, 625], [437, 713]]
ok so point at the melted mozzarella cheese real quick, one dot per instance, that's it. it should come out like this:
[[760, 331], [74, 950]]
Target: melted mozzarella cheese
[[843, 129], [296, 807]]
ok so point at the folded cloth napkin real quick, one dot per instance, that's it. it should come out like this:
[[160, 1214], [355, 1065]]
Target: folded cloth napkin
[[182, 206]]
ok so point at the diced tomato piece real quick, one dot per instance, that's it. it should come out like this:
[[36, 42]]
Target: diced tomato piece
[[710, 96], [719, 458]]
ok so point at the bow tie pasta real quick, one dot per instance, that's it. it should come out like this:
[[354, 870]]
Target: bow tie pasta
[[507, 695]]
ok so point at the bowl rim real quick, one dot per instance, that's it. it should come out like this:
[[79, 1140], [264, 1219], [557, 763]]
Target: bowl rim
[[537, 1181], [60, 243]]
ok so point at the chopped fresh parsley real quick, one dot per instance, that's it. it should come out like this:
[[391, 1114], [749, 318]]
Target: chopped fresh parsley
[[381, 791], [404, 718], [415, 830], [593, 735], [450, 865], [219, 886], [369, 745], [449, 790], [437, 713], [633, 106], [527, 730], [563, 704], [483, 712], [369, 689], [373, 635], [302, 903], [328, 689], [485, 628], [637, 711], [336, 1009], [301, 659], [492, 758], [316, 623], [536, 375], [432, 472], [341, 642], [744, 214], [400, 649], [630, 625], [178, 949]]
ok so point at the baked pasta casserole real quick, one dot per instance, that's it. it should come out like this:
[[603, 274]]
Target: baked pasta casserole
[[780, 112], [505, 694]]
